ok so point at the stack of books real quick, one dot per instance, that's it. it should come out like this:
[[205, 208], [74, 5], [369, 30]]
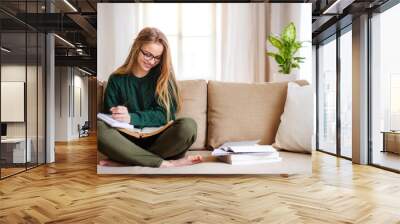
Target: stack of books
[[246, 153]]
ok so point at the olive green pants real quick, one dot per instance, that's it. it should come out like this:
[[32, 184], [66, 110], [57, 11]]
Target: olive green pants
[[172, 143]]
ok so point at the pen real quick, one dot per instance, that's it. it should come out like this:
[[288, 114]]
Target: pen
[[124, 104]]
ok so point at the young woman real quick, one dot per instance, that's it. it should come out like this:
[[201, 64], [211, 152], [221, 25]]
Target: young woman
[[143, 92]]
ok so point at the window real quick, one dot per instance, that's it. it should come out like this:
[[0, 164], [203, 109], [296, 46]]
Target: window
[[335, 74], [22, 65], [327, 97], [190, 29], [395, 101], [346, 94], [385, 89]]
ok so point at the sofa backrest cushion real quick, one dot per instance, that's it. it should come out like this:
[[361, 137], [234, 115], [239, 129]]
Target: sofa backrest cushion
[[194, 105], [244, 111]]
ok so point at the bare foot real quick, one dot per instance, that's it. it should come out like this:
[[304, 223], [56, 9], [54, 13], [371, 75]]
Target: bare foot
[[107, 162], [188, 160]]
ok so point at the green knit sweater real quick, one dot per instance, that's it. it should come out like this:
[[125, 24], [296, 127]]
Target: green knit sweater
[[138, 95]]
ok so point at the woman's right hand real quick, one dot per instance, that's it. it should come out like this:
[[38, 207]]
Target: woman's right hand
[[120, 113]]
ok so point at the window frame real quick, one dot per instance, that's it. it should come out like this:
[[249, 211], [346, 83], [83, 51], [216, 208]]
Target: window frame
[[334, 37], [143, 11], [371, 14]]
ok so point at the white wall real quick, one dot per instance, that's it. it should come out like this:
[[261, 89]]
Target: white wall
[[80, 84], [34, 124], [14, 73], [61, 115], [68, 83], [17, 73]]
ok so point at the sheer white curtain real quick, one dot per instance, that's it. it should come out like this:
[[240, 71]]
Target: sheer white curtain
[[208, 41], [117, 25], [242, 42]]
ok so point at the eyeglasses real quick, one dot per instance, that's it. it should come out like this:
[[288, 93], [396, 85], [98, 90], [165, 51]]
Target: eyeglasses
[[149, 56]]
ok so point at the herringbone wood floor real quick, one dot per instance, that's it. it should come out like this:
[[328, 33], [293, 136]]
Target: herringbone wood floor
[[70, 191]]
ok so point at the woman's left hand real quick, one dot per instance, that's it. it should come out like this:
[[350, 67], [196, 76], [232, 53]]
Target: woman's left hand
[[120, 113]]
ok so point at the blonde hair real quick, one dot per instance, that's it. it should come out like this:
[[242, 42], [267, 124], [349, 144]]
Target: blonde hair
[[167, 91]]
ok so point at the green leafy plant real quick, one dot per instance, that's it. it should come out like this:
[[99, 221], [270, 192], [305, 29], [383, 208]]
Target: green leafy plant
[[287, 46]]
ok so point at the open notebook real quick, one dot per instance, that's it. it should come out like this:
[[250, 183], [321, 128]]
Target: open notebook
[[130, 129]]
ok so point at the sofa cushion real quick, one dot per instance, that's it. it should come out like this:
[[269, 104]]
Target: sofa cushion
[[292, 163], [194, 105], [296, 127], [244, 111]]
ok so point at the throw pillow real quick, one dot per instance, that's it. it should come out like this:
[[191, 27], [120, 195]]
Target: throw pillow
[[297, 121]]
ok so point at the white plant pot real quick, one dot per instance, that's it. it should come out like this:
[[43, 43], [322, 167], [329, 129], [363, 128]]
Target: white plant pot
[[279, 77]]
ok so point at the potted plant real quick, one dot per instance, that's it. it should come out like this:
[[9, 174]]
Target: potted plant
[[287, 47]]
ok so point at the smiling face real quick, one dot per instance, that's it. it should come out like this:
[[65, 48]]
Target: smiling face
[[149, 56], [149, 49]]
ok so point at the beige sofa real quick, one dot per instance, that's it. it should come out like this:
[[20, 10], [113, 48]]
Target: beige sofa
[[227, 111]]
